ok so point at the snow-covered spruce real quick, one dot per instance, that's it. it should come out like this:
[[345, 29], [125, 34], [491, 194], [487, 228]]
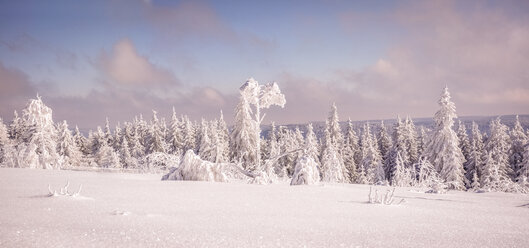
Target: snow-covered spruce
[[192, 168], [442, 148], [306, 171]]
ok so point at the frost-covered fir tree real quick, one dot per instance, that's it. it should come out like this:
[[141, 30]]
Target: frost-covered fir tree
[[523, 172], [400, 146], [117, 138], [333, 168], [126, 159], [207, 149], [516, 153], [464, 145], [273, 145], [384, 141], [81, 142], [350, 151], [333, 127], [17, 129], [66, 146], [254, 98], [306, 171], [287, 142], [312, 147], [106, 157], [410, 136], [223, 142], [427, 175], [4, 142], [442, 148], [476, 156], [372, 162], [175, 136], [404, 176], [421, 140], [41, 135], [108, 133], [497, 147], [137, 150], [156, 135]]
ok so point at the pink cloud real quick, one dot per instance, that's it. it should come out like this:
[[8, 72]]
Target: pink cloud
[[126, 67]]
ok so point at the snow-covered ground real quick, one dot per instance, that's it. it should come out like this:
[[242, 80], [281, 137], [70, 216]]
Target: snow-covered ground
[[137, 210]]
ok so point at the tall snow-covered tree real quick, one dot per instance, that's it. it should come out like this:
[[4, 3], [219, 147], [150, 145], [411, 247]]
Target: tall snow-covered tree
[[17, 129], [66, 146], [106, 157], [189, 135], [523, 172], [223, 142], [81, 142], [400, 147], [175, 136], [442, 148], [372, 162], [421, 140], [350, 151], [496, 166], [410, 137], [108, 133], [207, 149], [516, 153], [4, 141], [259, 97], [333, 127], [156, 136], [384, 141], [311, 145], [42, 135], [464, 146], [333, 168], [476, 156]]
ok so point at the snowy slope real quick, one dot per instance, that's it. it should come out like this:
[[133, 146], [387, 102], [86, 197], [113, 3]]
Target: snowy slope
[[135, 210]]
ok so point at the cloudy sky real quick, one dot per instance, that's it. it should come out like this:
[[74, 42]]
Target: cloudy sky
[[375, 59]]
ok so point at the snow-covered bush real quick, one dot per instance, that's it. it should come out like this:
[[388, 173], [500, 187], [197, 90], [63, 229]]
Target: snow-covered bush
[[193, 168], [158, 161], [306, 171], [386, 199]]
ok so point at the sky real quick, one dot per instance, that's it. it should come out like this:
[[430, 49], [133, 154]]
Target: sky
[[375, 59]]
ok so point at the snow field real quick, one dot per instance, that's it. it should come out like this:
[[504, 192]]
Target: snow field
[[139, 210]]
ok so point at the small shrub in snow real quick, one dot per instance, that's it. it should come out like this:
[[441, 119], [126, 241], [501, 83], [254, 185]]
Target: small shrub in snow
[[386, 199], [305, 172], [63, 191], [195, 169]]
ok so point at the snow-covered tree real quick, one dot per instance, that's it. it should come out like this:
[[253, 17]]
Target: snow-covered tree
[[81, 142], [350, 151], [4, 141], [372, 162], [108, 133], [496, 166], [400, 146], [17, 129], [189, 134], [207, 149], [410, 137], [384, 141], [106, 157], [223, 143], [287, 142], [427, 176], [421, 140], [175, 136], [156, 136], [519, 139], [333, 168], [41, 135], [476, 156], [464, 145], [404, 176], [523, 172], [442, 148], [66, 146], [260, 97], [311, 145], [126, 159], [306, 171]]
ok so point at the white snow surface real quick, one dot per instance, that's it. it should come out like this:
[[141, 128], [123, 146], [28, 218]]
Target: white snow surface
[[140, 210]]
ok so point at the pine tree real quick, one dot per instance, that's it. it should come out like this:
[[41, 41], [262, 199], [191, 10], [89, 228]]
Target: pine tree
[[126, 159], [41, 135], [421, 140], [384, 141], [106, 157], [175, 135], [66, 146], [410, 137], [350, 149], [17, 129], [332, 164], [497, 163], [465, 147], [244, 142], [156, 136], [400, 146], [108, 133], [81, 142], [372, 162], [442, 149], [333, 127], [516, 154], [189, 135], [312, 146], [523, 172], [4, 142], [223, 140], [476, 156], [404, 176], [206, 150]]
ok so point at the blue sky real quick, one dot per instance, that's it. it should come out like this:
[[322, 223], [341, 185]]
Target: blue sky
[[375, 59]]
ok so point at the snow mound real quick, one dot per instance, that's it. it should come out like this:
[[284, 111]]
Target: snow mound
[[305, 172], [192, 168]]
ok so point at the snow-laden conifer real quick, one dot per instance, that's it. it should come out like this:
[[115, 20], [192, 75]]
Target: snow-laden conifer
[[516, 153], [442, 148], [372, 162], [66, 146]]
